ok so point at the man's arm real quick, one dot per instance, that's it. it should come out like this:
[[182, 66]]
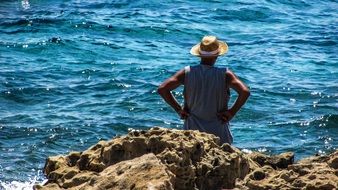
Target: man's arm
[[243, 94], [165, 91]]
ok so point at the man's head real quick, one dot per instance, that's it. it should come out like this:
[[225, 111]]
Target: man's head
[[209, 47]]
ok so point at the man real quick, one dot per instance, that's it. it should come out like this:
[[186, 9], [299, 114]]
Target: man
[[206, 91]]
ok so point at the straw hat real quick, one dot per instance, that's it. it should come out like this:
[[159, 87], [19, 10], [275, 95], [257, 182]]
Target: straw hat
[[209, 47]]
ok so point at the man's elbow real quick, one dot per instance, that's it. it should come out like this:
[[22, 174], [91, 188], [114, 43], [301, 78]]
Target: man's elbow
[[246, 92], [161, 90]]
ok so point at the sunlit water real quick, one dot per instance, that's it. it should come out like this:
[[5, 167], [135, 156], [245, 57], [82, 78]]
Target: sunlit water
[[75, 72]]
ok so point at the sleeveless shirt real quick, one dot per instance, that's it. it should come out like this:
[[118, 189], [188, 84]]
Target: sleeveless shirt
[[205, 94]]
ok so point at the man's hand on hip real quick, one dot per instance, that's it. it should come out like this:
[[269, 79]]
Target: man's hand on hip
[[183, 114], [225, 116]]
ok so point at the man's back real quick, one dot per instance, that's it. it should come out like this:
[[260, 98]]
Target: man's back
[[206, 91], [206, 94]]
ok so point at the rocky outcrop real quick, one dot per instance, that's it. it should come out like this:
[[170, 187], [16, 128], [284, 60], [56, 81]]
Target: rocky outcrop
[[320, 172], [196, 160], [145, 172], [175, 159]]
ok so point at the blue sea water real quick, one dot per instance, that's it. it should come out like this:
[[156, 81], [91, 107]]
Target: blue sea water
[[75, 72]]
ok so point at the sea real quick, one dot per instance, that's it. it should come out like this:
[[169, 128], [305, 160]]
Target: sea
[[74, 72]]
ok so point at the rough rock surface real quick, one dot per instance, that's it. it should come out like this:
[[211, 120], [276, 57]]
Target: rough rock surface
[[196, 159], [176, 159], [276, 161], [320, 172], [145, 172]]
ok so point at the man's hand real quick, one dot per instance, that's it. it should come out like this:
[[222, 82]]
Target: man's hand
[[225, 116], [183, 114]]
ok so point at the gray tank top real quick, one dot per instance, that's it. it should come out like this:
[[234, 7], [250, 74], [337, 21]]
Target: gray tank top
[[205, 94]]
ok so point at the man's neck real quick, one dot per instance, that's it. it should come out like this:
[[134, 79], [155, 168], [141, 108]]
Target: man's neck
[[208, 61]]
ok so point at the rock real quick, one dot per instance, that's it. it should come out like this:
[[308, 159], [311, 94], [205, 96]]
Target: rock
[[197, 160], [311, 173], [145, 172], [333, 162], [51, 186], [176, 159], [277, 161]]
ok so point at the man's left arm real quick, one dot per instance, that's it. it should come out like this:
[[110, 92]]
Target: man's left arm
[[243, 94], [165, 91]]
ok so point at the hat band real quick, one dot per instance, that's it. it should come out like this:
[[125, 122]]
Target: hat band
[[209, 52]]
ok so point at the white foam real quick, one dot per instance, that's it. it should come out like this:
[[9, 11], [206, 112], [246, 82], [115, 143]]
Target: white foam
[[19, 185]]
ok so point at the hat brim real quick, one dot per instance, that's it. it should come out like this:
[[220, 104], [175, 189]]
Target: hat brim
[[222, 49]]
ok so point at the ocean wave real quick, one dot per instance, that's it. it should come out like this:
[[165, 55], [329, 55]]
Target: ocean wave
[[255, 14], [22, 185], [34, 44], [29, 95], [15, 185], [325, 121], [32, 21], [19, 31]]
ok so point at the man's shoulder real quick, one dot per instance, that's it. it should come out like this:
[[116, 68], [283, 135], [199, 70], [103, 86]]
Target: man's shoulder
[[189, 68], [222, 68]]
